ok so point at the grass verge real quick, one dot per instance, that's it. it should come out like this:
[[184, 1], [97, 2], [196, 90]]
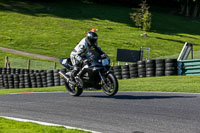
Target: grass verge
[[11, 126], [54, 28], [163, 84], [46, 89], [188, 84], [20, 61]]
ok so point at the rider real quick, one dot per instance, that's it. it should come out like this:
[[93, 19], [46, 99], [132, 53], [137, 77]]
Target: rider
[[78, 55]]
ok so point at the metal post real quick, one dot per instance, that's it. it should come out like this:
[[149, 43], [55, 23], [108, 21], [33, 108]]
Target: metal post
[[148, 53], [8, 65], [55, 65], [28, 64], [118, 63], [192, 52], [6, 61], [141, 53]]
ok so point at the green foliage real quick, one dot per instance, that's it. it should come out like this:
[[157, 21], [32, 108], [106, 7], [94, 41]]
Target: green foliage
[[142, 17], [146, 21], [137, 18], [11, 126], [189, 8]]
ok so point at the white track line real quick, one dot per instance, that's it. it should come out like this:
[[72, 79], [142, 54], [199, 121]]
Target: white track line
[[34, 93], [46, 123]]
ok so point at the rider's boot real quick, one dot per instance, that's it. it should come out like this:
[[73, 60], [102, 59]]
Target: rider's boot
[[74, 74]]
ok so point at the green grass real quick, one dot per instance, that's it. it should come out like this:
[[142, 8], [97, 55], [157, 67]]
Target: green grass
[[161, 84], [11, 126], [20, 61], [54, 29], [46, 89], [3, 54]]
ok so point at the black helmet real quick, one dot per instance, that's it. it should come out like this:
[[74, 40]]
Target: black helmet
[[91, 38]]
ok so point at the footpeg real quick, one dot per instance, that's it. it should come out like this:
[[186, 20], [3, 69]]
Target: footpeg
[[79, 81]]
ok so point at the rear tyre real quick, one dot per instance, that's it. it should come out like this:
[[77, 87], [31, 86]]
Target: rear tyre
[[111, 86], [73, 90]]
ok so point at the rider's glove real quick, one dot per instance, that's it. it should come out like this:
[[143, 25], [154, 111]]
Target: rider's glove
[[85, 61]]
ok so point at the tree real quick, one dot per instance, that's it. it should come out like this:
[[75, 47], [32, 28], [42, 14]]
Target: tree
[[196, 8], [142, 16], [189, 7]]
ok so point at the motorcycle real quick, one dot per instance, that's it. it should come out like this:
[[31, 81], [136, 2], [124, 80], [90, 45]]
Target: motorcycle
[[94, 75]]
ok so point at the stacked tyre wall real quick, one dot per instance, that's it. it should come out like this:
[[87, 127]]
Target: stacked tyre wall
[[25, 78], [148, 68]]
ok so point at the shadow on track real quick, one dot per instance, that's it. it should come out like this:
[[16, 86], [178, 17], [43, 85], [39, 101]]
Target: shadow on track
[[131, 97]]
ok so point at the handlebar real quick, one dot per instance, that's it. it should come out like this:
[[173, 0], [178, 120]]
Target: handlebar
[[92, 57]]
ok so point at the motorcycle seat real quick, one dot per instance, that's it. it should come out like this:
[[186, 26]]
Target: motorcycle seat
[[66, 62]]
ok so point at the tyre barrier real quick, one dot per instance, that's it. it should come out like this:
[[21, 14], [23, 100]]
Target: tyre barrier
[[125, 72], [33, 80], [160, 67], [25, 78], [171, 67], [141, 69], [18, 71], [27, 81], [56, 78], [148, 68], [44, 79], [50, 78], [5, 81], [62, 81], [133, 70], [117, 72], [21, 81], [16, 81]]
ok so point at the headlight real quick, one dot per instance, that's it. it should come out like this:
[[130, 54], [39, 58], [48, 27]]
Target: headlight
[[105, 62]]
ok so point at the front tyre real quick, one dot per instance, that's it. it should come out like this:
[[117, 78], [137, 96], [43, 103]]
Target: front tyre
[[110, 87], [73, 90]]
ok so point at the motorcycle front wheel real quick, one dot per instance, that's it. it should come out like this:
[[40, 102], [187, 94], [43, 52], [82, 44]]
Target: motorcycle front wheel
[[73, 90], [110, 87]]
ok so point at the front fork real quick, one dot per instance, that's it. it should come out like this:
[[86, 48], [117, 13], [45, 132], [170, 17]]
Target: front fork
[[103, 78]]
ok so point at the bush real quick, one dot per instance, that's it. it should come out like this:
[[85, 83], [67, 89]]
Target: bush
[[146, 21], [142, 16]]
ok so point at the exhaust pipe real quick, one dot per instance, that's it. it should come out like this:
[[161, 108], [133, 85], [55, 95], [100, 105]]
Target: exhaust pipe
[[66, 78], [63, 76]]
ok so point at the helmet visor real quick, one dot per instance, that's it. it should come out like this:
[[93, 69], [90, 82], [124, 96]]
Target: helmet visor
[[93, 41]]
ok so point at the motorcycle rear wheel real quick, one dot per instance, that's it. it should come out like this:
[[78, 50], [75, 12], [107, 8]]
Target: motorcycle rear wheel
[[73, 90], [111, 86]]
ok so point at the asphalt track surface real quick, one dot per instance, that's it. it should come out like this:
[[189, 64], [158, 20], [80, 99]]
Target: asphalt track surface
[[127, 112]]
